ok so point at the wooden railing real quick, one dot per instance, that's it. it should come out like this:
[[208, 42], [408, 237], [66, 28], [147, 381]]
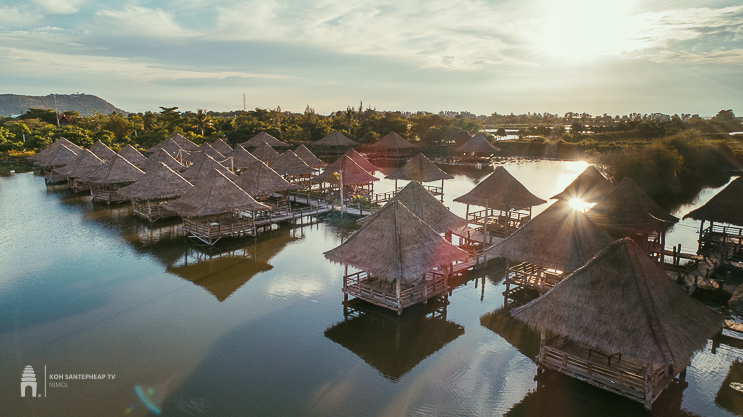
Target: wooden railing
[[720, 233], [357, 285], [434, 190], [210, 232], [533, 276], [500, 223]]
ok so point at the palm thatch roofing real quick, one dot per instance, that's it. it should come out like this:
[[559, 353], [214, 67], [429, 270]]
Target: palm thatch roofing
[[424, 205], [396, 244], [221, 146], [290, 164], [51, 148], [260, 179], [559, 237], [60, 157], [158, 183], [392, 141], [132, 155], [207, 149], [102, 151], [478, 144], [500, 191], [263, 137], [309, 158], [265, 153], [363, 162], [725, 207], [203, 168], [590, 186], [622, 301], [169, 145], [116, 170], [352, 173], [184, 143], [335, 139], [217, 194], [84, 163], [419, 169], [628, 208], [241, 159], [162, 156]]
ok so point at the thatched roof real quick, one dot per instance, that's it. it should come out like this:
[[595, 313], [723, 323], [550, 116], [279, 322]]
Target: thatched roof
[[352, 173], [559, 237], [420, 169], [222, 275], [102, 151], [207, 149], [500, 191], [335, 139], [363, 162], [628, 208], [309, 158], [184, 143], [84, 163], [241, 159], [221, 146], [203, 167], [132, 155], [424, 205], [116, 170], [396, 244], [60, 157], [39, 157], [478, 144], [217, 194], [392, 141], [168, 145], [162, 156], [266, 153], [590, 186], [290, 164], [263, 137], [725, 207], [259, 179], [622, 301], [157, 183]]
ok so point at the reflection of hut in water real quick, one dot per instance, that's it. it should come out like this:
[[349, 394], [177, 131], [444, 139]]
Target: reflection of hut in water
[[545, 250], [727, 397], [151, 190], [162, 156], [590, 186], [207, 149], [394, 345], [507, 203], [102, 151], [725, 207], [265, 153], [203, 167], [420, 169], [221, 275], [626, 211], [132, 155], [83, 165], [263, 137], [620, 324], [518, 334], [60, 157], [293, 168], [396, 253], [215, 208], [221, 146], [356, 180], [105, 181], [309, 158], [476, 149], [334, 143], [391, 146]]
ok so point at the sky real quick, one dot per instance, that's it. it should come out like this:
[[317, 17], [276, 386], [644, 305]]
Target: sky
[[594, 56]]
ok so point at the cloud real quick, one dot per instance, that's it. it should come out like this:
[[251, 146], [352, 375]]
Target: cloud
[[142, 22], [59, 6], [12, 16]]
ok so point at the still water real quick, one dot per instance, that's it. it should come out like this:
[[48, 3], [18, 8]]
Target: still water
[[158, 325]]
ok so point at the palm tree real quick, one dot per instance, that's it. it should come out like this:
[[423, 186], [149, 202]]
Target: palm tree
[[202, 120], [350, 113]]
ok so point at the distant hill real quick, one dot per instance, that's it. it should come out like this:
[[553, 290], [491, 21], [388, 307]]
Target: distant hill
[[85, 104]]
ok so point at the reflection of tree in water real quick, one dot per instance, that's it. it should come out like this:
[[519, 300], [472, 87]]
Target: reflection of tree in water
[[390, 344], [342, 226]]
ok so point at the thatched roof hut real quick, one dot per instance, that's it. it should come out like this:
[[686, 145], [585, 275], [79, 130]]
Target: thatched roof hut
[[590, 186], [560, 238], [170, 146], [424, 205], [263, 137], [265, 153], [39, 157], [419, 169], [132, 155], [217, 194], [501, 191], [207, 149], [259, 179], [221, 146], [396, 244], [309, 158], [391, 142], [158, 183], [240, 159], [725, 207], [289, 164], [102, 151], [116, 170], [60, 157], [335, 139], [352, 173], [627, 208], [184, 143], [84, 163], [479, 145], [162, 156], [622, 301], [203, 168], [363, 162]]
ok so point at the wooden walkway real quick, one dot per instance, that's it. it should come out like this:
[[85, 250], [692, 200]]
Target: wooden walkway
[[323, 205], [699, 271]]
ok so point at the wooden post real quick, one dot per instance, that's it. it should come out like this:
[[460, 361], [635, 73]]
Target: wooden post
[[442, 191], [485, 226]]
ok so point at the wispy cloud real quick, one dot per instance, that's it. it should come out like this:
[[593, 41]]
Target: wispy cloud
[[142, 22], [59, 6], [13, 16]]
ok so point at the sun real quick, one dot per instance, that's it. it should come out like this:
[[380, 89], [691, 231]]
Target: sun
[[578, 204]]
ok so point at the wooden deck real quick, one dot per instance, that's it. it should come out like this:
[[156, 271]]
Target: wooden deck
[[473, 236], [384, 294], [151, 210], [529, 275], [326, 206], [500, 223]]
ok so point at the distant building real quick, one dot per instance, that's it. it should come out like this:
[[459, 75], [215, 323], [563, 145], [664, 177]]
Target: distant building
[[64, 119]]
